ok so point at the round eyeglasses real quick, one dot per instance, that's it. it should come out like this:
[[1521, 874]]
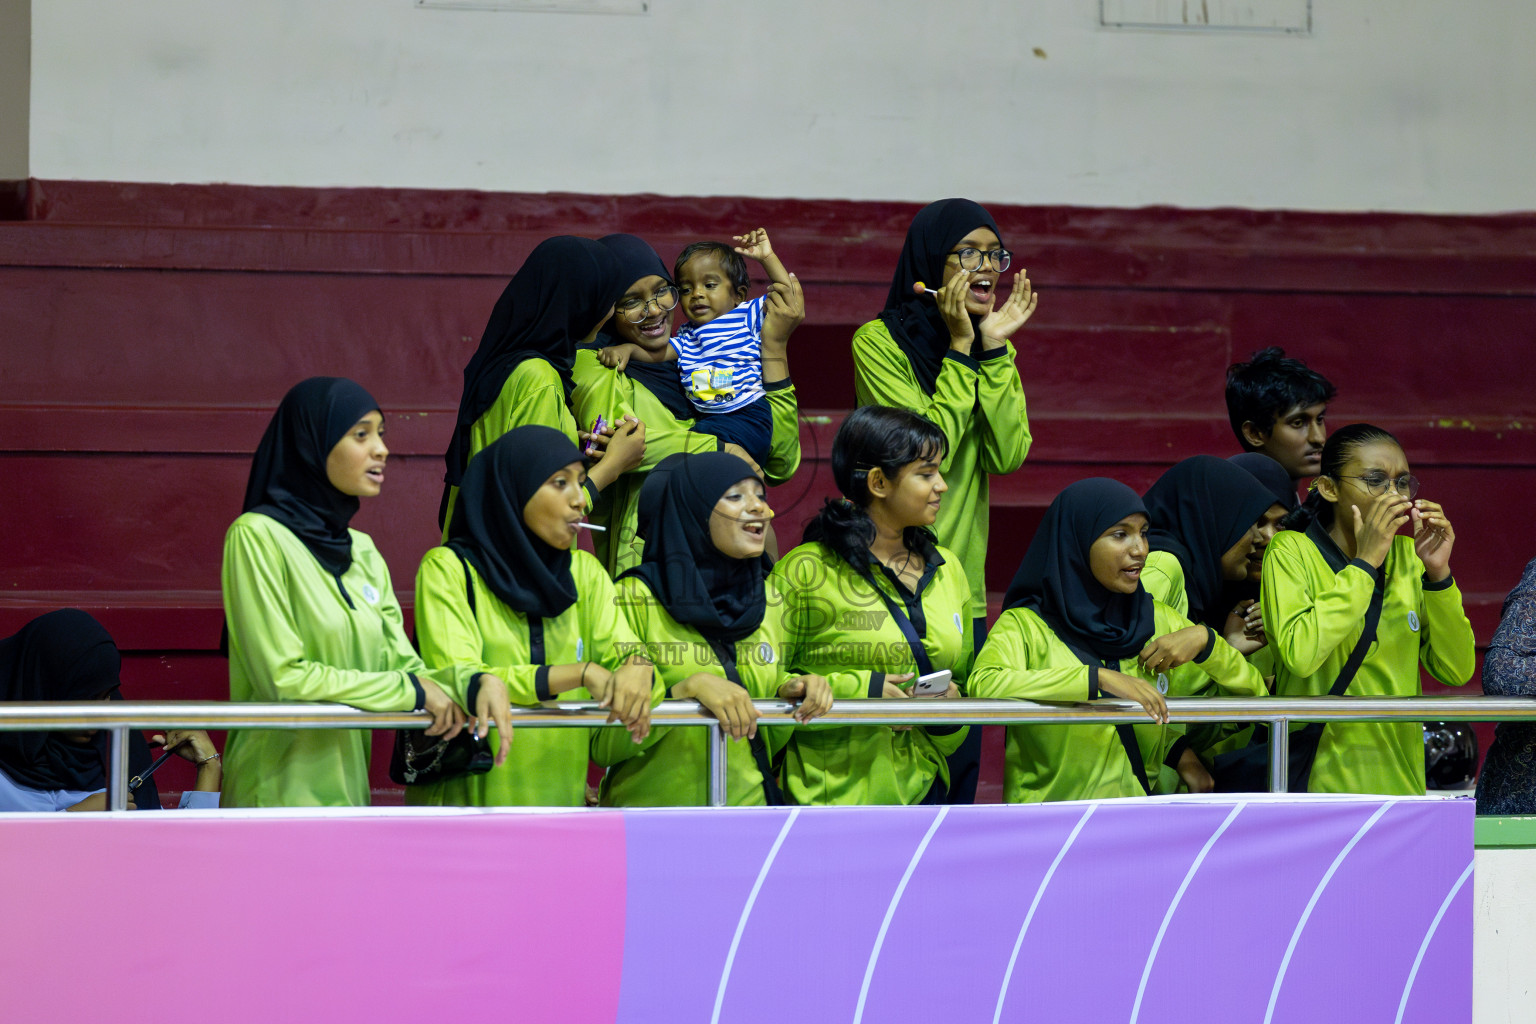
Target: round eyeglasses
[[1377, 483], [635, 309], [971, 259]]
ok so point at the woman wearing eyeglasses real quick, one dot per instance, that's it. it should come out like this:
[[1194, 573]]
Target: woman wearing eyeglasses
[[947, 356], [1323, 585], [653, 394], [521, 374]]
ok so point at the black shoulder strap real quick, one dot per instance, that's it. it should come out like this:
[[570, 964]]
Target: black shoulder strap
[[771, 793], [1367, 635], [469, 584], [1127, 734], [919, 652]]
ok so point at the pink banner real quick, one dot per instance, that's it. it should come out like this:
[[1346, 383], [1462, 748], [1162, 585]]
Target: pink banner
[[1263, 909]]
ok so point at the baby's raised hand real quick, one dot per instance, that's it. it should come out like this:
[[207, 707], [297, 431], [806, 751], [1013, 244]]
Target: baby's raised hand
[[615, 357], [754, 244]]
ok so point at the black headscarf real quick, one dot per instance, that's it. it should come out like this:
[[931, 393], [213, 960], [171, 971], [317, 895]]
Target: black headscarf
[[1056, 581], [1199, 509], [1272, 475], [288, 481], [638, 260], [488, 527], [914, 320], [64, 655], [557, 296], [723, 598]]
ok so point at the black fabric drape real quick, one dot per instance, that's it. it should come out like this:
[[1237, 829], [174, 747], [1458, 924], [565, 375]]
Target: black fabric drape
[[288, 481], [1056, 581], [723, 598], [488, 528], [914, 320]]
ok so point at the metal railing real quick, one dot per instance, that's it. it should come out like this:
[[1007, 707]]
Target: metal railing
[[1278, 712]]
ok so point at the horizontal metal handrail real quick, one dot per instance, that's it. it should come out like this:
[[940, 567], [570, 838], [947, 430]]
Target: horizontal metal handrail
[[49, 715], [121, 716]]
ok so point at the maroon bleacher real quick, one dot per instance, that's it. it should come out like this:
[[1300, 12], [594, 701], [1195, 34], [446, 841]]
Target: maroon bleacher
[[148, 330]]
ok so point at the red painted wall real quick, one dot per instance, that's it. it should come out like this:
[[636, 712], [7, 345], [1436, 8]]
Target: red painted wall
[[148, 331]]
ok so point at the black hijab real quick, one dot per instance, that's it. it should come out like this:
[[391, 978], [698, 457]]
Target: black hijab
[[488, 527], [914, 320], [1272, 475], [288, 481], [65, 655], [1199, 509], [723, 598], [637, 260], [557, 296], [1056, 581]]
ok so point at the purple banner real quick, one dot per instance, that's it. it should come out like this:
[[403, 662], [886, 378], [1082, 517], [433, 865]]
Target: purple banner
[[1177, 910], [1182, 910]]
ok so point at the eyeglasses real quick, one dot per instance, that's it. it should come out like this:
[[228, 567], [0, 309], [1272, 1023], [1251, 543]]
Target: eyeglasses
[[635, 309], [1376, 483], [970, 259]]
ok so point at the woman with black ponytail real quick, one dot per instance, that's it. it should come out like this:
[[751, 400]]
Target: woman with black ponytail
[[871, 589], [1344, 578]]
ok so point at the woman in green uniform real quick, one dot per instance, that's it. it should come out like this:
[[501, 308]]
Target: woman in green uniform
[[1076, 625], [1208, 520], [948, 356], [652, 393], [312, 615], [521, 373], [870, 591], [713, 625], [509, 595], [1320, 584]]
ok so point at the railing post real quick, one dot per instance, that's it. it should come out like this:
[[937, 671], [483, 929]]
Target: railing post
[[717, 740], [117, 771], [1279, 755]]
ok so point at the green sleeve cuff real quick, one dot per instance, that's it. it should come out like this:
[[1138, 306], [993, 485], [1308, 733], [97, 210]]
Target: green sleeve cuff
[[591, 489], [992, 353], [779, 385], [421, 694], [541, 683], [1445, 584], [473, 691], [964, 360], [1093, 682], [876, 685]]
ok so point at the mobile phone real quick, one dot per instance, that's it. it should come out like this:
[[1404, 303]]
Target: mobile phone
[[932, 684]]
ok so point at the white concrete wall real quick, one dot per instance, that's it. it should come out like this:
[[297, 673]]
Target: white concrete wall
[[1504, 937], [1418, 105], [15, 80]]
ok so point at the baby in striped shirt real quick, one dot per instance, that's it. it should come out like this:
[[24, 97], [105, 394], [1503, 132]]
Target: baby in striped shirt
[[719, 351]]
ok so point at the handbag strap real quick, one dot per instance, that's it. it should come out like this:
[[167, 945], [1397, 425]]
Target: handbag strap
[[909, 631], [1127, 734], [772, 794], [1362, 645]]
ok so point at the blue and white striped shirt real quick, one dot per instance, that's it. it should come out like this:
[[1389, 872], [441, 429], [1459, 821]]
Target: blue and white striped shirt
[[721, 361]]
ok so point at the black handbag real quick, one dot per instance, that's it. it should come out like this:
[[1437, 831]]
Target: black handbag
[[420, 760], [1247, 770]]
